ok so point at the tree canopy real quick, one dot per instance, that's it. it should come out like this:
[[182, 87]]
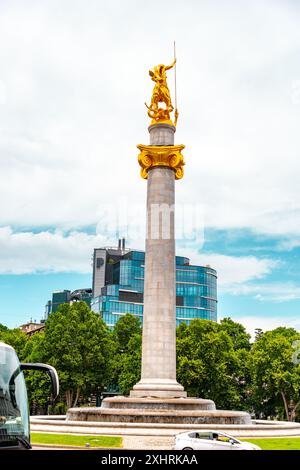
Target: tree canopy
[[214, 360], [275, 376], [78, 344], [15, 338], [208, 364], [127, 336]]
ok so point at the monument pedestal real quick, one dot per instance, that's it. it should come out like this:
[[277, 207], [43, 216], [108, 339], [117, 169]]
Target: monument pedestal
[[184, 411], [158, 389]]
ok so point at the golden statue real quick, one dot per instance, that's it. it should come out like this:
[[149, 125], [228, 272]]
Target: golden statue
[[168, 156], [161, 94]]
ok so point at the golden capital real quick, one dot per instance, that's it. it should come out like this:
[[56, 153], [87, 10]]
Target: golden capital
[[168, 156]]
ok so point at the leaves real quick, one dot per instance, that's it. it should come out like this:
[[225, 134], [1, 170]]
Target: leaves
[[15, 338], [214, 360], [275, 378], [207, 363], [126, 368]]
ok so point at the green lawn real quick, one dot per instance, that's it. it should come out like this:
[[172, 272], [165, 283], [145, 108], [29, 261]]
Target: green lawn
[[276, 443], [279, 443], [71, 440]]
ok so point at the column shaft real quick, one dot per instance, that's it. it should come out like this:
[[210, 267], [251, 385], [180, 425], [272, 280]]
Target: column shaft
[[159, 318]]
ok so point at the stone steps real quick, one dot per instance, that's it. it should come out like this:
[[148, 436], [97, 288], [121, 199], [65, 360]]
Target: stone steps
[[171, 415], [121, 402]]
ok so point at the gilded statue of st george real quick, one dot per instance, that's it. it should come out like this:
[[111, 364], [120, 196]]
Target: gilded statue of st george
[[161, 94]]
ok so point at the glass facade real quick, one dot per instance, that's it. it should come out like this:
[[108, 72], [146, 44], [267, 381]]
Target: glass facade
[[196, 290], [66, 296]]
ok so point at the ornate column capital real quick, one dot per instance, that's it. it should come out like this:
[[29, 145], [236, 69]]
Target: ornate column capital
[[164, 156]]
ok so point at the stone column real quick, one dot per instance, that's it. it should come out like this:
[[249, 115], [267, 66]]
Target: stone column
[[159, 320]]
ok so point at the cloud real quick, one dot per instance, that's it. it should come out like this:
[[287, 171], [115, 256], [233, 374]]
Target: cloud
[[27, 252], [73, 82], [58, 251], [288, 244], [270, 292], [234, 271], [267, 323]]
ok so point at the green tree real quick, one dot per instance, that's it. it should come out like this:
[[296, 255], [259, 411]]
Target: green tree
[[127, 336], [78, 344], [258, 333], [276, 378], [15, 338], [130, 364], [38, 383], [208, 365], [237, 332], [3, 328], [127, 326]]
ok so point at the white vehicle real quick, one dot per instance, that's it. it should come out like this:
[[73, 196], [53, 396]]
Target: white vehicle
[[210, 440], [14, 417]]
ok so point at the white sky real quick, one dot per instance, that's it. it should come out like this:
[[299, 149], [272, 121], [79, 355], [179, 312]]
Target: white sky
[[73, 81]]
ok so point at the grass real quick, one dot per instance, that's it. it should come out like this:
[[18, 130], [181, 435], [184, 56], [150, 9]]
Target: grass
[[79, 441], [277, 443]]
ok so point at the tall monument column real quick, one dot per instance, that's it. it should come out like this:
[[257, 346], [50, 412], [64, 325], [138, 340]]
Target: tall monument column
[[161, 163]]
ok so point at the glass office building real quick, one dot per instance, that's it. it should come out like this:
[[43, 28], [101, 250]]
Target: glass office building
[[67, 296], [118, 286]]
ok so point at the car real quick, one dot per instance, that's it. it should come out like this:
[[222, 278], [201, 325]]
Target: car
[[210, 440]]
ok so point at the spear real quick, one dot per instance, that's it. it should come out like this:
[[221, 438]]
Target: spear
[[176, 111]]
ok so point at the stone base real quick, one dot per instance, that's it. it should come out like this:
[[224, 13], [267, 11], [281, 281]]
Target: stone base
[[171, 411], [157, 394], [158, 389], [158, 404]]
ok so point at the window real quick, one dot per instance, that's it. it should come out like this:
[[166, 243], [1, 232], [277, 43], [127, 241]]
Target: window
[[220, 438], [130, 296], [179, 300], [99, 262], [204, 435]]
